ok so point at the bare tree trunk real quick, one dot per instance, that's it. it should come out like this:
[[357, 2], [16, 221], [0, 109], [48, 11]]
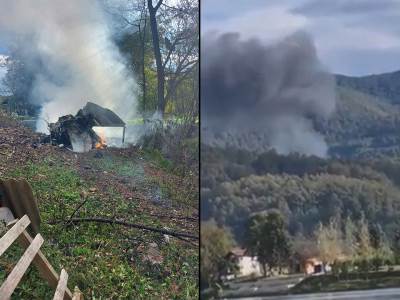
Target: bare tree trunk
[[264, 267], [143, 40], [157, 54]]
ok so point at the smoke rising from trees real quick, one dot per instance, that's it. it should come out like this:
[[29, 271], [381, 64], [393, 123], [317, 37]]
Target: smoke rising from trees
[[69, 48], [274, 90]]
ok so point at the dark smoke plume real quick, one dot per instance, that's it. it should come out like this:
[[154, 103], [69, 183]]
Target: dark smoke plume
[[274, 91]]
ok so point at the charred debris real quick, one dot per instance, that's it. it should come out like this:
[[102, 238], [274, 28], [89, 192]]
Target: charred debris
[[76, 132]]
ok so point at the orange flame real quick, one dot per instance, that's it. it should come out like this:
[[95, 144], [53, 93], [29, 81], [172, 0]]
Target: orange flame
[[101, 144]]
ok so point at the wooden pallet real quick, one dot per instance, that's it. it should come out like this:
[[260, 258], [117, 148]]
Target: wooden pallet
[[17, 232]]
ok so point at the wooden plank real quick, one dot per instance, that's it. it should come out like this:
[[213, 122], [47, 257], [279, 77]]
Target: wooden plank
[[61, 286], [77, 294], [11, 223], [19, 270], [46, 270], [12, 234]]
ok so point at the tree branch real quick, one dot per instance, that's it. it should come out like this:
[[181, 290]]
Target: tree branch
[[176, 41], [158, 5], [77, 208], [130, 225], [177, 9], [177, 80], [175, 217]]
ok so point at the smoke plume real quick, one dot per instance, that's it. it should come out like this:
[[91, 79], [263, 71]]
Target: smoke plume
[[272, 91], [79, 61]]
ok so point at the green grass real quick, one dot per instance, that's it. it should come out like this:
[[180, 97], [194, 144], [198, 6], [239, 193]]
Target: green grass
[[118, 165], [156, 157], [101, 259], [181, 193]]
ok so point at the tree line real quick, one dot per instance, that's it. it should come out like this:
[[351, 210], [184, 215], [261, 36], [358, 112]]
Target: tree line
[[351, 207], [352, 247]]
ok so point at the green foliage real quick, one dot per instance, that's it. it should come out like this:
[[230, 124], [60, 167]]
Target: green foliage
[[350, 238], [216, 242], [178, 37], [332, 283], [386, 86], [157, 157], [268, 240], [336, 268], [365, 249], [329, 241], [377, 261], [309, 192], [363, 265], [118, 165], [101, 259], [363, 126], [306, 190], [345, 267]]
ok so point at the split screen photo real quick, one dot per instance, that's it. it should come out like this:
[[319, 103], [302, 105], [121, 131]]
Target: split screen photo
[[213, 149]]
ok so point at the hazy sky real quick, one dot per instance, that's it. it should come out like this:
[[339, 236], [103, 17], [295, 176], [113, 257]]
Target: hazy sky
[[356, 37]]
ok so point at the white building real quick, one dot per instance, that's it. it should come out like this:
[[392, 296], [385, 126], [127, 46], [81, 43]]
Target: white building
[[247, 265]]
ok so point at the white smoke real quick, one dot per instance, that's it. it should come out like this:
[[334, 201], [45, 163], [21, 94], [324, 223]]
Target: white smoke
[[3, 70], [81, 62]]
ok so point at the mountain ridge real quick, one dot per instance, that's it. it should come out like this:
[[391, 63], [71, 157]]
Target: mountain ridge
[[384, 85]]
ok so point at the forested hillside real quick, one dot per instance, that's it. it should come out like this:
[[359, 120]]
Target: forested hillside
[[306, 190], [385, 85], [364, 124], [359, 178]]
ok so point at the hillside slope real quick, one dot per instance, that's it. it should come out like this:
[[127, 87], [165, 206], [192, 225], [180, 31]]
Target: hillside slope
[[359, 178], [362, 125], [306, 190], [385, 86], [106, 261]]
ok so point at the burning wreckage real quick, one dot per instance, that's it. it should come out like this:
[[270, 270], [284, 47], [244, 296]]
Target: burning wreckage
[[76, 132]]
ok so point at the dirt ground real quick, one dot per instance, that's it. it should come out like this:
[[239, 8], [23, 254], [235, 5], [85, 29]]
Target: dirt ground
[[19, 145], [122, 184]]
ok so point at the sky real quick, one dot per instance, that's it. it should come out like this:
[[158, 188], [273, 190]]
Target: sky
[[357, 37]]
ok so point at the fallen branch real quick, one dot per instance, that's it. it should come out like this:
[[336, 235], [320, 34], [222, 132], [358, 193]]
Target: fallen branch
[[85, 199], [188, 241], [131, 225], [180, 238], [175, 217]]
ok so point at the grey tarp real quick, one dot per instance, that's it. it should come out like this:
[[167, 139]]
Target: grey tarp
[[102, 116]]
